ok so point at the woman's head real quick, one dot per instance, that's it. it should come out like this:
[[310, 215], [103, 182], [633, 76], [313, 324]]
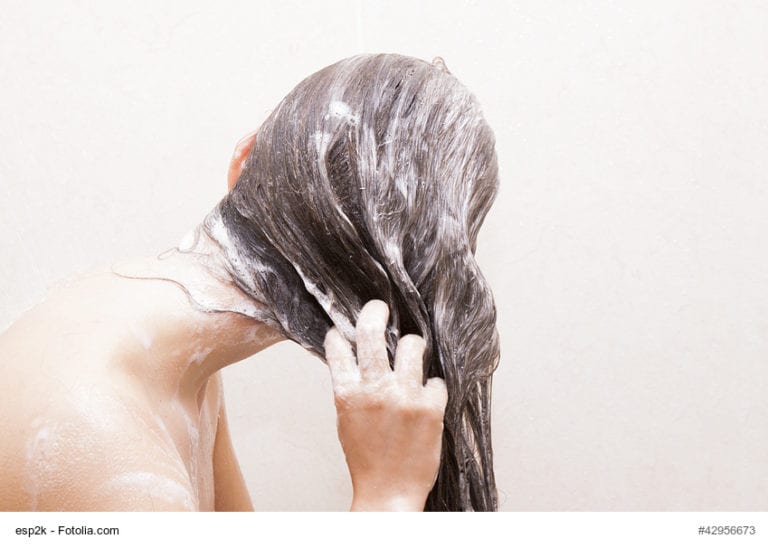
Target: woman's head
[[370, 180]]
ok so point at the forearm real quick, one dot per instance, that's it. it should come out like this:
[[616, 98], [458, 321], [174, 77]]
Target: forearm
[[229, 485]]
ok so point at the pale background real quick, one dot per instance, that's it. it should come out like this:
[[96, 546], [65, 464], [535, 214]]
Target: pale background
[[627, 249]]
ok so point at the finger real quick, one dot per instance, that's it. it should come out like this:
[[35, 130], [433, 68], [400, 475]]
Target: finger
[[409, 359], [339, 357], [437, 392], [371, 341]]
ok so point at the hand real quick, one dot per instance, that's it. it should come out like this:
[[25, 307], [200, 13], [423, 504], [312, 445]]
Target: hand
[[390, 425]]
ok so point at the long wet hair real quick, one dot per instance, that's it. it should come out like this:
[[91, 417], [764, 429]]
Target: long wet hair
[[370, 180]]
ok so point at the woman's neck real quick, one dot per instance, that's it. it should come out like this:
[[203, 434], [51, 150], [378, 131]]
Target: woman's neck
[[174, 342]]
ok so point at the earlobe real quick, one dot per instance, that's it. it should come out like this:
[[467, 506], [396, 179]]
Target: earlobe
[[237, 162]]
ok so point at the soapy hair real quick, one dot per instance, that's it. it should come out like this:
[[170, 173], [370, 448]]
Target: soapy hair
[[370, 180]]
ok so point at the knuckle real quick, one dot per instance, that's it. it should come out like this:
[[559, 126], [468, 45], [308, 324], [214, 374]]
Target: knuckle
[[414, 408], [371, 402], [359, 398], [346, 405], [344, 394], [432, 416], [437, 411], [407, 412], [342, 405], [374, 404]]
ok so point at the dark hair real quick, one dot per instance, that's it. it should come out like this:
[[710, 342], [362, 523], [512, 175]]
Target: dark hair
[[370, 180]]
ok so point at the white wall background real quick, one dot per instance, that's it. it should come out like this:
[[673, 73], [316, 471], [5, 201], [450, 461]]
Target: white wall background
[[627, 248]]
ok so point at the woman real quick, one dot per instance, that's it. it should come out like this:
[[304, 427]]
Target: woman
[[349, 227]]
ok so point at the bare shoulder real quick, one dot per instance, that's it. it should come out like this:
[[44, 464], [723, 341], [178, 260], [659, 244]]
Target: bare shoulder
[[83, 302], [87, 421], [78, 435]]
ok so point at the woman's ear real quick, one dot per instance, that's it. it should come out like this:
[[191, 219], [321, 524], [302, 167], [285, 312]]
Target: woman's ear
[[237, 162]]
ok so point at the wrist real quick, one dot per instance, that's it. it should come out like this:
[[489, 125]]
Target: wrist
[[390, 503]]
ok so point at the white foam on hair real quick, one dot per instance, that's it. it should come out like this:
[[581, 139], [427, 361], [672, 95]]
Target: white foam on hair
[[189, 240], [213, 249], [326, 302], [402, 185], [322, 140], [340, 109]]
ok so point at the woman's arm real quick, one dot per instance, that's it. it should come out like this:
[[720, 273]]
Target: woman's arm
[[390, 425], [229, 486]]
